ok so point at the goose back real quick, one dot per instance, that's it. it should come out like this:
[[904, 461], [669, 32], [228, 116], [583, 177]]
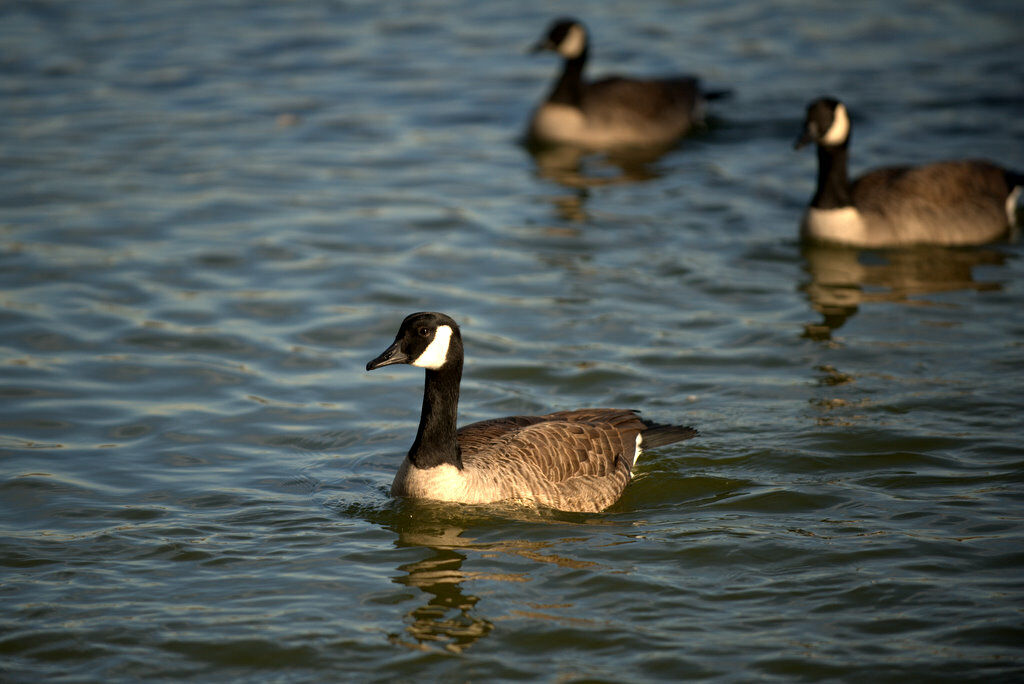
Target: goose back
[[621, 112], [947, 203]]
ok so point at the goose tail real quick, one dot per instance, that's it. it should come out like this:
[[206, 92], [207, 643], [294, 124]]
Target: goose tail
[[719, 94], [658, 434]]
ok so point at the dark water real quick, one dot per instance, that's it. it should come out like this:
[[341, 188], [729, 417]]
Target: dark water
[[213, 214]]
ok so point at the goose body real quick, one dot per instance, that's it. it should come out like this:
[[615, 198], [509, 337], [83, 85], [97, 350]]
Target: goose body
[[960, 202], [578, 460], [611, 112]]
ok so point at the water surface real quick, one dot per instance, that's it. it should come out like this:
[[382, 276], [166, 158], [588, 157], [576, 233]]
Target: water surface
[[213, 214]]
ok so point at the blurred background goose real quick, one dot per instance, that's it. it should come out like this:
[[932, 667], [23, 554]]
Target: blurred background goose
[[571, 460], [962, 202], [614, 111]]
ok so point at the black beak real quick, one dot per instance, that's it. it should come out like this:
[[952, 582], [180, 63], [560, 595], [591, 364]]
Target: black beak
[[805, 139], [391, 355], [541, 46]]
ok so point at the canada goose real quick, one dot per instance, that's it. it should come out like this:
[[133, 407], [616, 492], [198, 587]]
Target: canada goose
[[612, 112], [571, 460], [963, 202]]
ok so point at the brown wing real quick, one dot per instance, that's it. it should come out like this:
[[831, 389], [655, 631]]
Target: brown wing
[[950, 198], [571, 460], [615, 98], [612, 431], [482, 436]]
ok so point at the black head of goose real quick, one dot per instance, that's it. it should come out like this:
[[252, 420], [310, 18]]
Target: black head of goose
[[612, 112], [961, 202], [578, 460]]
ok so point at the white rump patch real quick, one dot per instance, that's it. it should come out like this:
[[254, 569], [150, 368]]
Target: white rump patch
[[636, 454], [1012, 206], [839, 131], [436, 354], [844, 225], [574, 42]]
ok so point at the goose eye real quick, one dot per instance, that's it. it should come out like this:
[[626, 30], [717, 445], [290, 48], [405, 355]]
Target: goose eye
[[424, 332]]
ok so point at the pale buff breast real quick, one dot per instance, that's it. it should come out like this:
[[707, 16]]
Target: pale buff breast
[[445, 483], [842, 226]]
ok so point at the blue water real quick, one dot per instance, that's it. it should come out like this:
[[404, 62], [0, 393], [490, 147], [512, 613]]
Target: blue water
[[212, 215]]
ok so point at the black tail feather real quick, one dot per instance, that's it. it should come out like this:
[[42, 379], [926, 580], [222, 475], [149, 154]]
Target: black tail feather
[[716, 94], [1014, 179], [657, 435]]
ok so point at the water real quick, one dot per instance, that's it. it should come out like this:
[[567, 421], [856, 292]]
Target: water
[[213, 214]]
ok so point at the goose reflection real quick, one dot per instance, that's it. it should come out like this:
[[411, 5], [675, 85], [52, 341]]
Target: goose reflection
[[448, 619], [579, 170], [451, 618], [843, 278]]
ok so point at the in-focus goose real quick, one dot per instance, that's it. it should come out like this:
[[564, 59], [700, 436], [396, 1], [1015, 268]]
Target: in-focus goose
[[963, 202], [612, 112], [571, 460]]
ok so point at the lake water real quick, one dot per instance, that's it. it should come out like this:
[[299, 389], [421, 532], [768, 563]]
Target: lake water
[[213, 214]]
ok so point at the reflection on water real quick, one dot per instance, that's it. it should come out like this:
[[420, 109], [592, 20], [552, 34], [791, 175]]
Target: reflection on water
[[451, 618], [579, 170], [448, 617], [842, 278]]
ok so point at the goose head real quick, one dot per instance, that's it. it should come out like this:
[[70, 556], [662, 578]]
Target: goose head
[[827, 124], [566, 36], [426, 339]]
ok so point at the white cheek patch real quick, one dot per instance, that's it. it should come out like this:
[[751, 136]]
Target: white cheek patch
[[436, 353], [572, 45], [839, 131]]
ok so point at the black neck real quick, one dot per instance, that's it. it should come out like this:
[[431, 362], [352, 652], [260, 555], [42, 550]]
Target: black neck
[[569, 88], [436, 443], [833, 185]]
